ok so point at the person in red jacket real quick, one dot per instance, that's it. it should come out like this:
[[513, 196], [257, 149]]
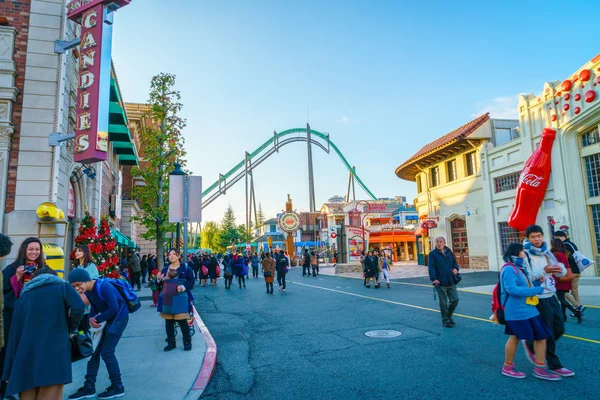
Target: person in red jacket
[[563, 285]]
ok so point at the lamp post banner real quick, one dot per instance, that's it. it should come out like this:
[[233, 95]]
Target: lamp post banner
[[93, 93]]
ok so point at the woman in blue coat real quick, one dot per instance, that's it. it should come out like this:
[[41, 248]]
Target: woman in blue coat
[[239, 263], [38, 354], [185, 273]]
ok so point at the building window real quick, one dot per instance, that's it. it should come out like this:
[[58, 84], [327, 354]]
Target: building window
[[596, 221], [471, 162], [509, 235], [451, 169], [592, 169], [505, 135], [506, 182], [272, 228], [591, 137], [435, 176], [419, 185]]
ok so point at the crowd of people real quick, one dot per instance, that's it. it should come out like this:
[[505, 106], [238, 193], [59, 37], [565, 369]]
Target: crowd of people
[[208, 267], [376, 265], [537, 284]]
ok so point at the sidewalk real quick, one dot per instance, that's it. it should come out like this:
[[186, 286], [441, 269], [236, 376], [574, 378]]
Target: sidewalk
[[148, 372], [398, 270]]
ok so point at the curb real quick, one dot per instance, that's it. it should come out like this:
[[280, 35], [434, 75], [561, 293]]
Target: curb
[[209, 363]]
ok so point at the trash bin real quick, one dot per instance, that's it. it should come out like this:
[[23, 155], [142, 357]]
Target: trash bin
[[55, 258]]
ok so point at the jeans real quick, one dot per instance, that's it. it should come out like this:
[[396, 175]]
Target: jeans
[[281, 279], [228, 280], [306, 270], [135, 279], [106, 350], [144, 273], [255, 272], [386, 275], [448, 297], [551, 312], [185, 330], [269, 287], [242, 280]]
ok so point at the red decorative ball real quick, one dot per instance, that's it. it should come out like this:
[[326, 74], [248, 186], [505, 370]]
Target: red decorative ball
[[577, 97], [584, 75], [567, 96], [553, 117], [577, 110], [566, 107], [589, 96], [566, 85], [556, 102]]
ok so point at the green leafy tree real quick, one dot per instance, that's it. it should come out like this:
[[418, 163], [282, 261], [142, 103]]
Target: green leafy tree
[[209, 236], [229, 233], [245, 235], [260, 216], [161, 145]]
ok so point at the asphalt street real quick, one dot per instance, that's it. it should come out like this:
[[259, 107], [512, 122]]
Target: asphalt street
[[310, 343]]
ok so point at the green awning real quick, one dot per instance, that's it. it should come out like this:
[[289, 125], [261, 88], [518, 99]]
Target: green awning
[[122, 239], [118, 131]]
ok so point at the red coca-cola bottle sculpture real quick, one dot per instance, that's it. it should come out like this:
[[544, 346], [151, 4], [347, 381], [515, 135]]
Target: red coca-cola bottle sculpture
[[533, 183]]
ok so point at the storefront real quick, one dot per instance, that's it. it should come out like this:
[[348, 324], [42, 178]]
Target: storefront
[[393, 238]]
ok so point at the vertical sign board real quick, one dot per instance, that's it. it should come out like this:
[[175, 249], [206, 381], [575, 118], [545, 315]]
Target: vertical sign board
[[176, 198], [93, 93]]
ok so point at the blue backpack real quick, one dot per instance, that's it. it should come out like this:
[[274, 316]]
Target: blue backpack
[[126, 292]]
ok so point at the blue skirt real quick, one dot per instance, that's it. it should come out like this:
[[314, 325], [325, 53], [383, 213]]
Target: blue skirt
[[528, 329]]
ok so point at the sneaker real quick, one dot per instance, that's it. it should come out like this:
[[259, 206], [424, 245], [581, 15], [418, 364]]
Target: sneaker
[[546, 374], [581, 308], [448, 325], [451, 321], [83, 393], [563, 372], [112, 392], [509, 370], [280, 289], [528, 353], [283, 290]]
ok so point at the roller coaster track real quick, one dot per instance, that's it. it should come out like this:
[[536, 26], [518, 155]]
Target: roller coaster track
[[267, 149]]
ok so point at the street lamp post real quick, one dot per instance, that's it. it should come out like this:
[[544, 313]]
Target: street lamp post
[[178, 172]]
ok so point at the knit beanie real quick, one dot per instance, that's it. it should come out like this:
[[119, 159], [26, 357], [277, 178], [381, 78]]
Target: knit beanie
[[79, 275]]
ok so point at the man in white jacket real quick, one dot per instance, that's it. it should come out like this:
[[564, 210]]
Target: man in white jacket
[[541, 266]]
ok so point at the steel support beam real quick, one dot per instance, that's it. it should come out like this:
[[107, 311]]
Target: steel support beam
[[311, 178]]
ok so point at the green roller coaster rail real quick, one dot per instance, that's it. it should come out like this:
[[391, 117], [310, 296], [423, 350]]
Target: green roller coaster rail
[[269, 142]]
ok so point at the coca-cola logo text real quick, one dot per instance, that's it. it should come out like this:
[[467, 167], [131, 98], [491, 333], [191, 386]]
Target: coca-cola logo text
[[531, 180]]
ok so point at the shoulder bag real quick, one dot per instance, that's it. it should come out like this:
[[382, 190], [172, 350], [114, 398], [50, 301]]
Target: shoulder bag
[[81, 342]]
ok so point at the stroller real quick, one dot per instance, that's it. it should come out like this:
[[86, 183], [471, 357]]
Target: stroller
[[191, 324]]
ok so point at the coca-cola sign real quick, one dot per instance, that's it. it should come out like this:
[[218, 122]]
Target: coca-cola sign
[[530, 179]]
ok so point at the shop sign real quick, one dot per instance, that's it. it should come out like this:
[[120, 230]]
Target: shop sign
[[93, 93], [429, 225], [289, 222], [333, 235], [71, 202]]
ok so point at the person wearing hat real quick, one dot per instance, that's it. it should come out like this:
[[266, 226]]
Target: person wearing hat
[[107, 305], [570, 249]]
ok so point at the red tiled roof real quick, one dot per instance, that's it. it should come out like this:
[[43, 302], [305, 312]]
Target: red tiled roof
[[457, 134]]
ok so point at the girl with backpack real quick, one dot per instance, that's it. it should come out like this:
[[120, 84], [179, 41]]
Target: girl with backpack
[[563, 285], [176, 270], [228, 271], [518, 300]]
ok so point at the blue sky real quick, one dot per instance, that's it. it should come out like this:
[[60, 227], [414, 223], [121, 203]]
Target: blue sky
[[383, 78]]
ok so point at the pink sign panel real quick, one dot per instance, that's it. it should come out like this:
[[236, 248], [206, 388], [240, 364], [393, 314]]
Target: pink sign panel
[[71, 200]]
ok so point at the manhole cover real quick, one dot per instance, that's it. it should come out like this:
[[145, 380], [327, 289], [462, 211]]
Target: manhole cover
[[383, 334]]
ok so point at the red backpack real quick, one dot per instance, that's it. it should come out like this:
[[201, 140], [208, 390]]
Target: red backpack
[[497, 306]]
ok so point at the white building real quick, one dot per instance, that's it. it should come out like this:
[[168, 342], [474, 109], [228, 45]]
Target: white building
[[572, 200]]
